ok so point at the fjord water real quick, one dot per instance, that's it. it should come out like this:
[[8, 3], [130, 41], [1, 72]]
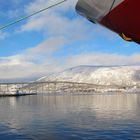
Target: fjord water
[[70, 117]]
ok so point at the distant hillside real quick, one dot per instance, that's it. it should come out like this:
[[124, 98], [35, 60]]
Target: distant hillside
[[117, 75]]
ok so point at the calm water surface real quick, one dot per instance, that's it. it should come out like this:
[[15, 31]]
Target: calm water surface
[[83, 117]]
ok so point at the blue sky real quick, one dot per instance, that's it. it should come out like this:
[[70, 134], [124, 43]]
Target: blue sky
[[55, 40]]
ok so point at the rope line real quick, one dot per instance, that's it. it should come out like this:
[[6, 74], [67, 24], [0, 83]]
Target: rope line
[[108, 17], [25, 17], [112, 5]]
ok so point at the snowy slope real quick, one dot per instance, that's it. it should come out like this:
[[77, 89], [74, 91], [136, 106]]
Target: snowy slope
[[117, 75]]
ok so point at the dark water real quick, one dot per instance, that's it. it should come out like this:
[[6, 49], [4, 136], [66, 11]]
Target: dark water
[[85, 117]]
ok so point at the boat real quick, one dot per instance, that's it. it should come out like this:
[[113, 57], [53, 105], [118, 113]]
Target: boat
[[120, 16]]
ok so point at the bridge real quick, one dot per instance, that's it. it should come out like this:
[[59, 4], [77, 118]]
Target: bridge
[[27, 88], [43, 87]]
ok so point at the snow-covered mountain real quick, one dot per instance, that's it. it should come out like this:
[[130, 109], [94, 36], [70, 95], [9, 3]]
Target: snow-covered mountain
[[116, 75]]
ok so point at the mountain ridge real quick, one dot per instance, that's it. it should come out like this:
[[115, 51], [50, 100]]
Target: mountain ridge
[[99, 75]]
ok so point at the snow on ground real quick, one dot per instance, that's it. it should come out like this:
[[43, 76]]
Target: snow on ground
[[116, 75]]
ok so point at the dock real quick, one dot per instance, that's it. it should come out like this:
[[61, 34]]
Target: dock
[[16, 89]]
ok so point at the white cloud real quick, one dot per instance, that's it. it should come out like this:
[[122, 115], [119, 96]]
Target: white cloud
[[57, 25], [59, 30], [49, 46], [23, 66], [40, 4], [102, 59]]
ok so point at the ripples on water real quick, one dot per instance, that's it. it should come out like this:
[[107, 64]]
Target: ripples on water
[[85, 117]]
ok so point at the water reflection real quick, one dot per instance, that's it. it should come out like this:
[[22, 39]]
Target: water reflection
[[69, 116]]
